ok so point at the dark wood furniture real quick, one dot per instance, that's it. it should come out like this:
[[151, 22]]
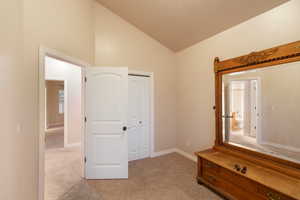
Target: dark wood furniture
[[238, 173]]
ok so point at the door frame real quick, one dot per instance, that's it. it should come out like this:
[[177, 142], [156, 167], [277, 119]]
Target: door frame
[[151, 109], [65, 108], [259, 101], [43, 52]]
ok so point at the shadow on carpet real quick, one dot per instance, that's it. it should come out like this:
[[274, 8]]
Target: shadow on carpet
[[81, 191]]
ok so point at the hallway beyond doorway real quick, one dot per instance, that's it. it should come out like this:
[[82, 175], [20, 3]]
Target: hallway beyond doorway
[[54, 138]]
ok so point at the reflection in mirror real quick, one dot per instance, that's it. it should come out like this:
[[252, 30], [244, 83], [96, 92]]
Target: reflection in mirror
[[261, 110]]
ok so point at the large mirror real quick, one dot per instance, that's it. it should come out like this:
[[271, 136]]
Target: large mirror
[[261, 110]]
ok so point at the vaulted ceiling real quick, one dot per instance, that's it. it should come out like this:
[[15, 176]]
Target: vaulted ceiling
[[178, 24]]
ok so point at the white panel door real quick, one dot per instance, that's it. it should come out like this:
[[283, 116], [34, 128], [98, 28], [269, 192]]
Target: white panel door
[[138, 117], [106, 112]]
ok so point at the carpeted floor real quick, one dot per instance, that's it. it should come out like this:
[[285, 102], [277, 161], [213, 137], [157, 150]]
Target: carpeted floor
[[169, 177], [62, 170], [55, 138]]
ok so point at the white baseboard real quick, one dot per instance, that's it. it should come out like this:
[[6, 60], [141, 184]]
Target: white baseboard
[[161, 153], [55, 125], [174, 150], [72, 145], [187, 155], [289, 148]]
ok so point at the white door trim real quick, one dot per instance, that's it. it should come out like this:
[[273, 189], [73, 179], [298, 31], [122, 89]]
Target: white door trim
[[43, 52], [152, 130]]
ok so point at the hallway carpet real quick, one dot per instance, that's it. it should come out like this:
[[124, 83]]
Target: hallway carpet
[[55, 138], [169, 177]]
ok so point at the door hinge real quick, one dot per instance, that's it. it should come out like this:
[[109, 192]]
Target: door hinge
[[85, 159], [85, 119], [85, 79]]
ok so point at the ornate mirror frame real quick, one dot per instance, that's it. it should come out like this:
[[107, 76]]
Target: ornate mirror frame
[[270, 57]]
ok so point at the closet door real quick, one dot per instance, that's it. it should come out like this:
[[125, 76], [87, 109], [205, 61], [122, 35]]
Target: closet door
[[138, 118]]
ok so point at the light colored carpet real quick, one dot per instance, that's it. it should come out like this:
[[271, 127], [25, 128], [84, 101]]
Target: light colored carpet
[[63, 171], [55, 138], [169, 177]]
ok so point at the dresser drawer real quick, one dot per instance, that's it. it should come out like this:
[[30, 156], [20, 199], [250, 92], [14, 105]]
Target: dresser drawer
[[240, 179], [269, 194], [237, 178], [211, 178], [210, 167], [228, 187], [233, 177]]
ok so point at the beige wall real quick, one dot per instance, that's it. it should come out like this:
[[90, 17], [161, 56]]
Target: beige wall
[[67, 26], [64, 25], [120, 44], [12, 86], [54, 118], [195, 71]]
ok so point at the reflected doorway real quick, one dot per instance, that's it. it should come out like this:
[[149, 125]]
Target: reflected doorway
[[242, 111]]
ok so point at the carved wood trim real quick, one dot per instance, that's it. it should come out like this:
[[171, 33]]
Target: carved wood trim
[[273, 56], [255, 57]]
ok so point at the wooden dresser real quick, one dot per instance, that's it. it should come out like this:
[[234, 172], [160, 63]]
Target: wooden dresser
[[239, 179]]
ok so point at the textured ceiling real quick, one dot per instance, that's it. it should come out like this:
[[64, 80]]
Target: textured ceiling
[[178, 24]]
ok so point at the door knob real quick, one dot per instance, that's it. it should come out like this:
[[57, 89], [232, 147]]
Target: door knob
[[124, 128]]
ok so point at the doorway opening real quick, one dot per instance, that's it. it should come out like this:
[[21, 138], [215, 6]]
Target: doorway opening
[[61, 163]]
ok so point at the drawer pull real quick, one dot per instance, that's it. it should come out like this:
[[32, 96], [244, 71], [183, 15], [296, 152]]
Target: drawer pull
[[237, 167], [244, 170], [273, 196]]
